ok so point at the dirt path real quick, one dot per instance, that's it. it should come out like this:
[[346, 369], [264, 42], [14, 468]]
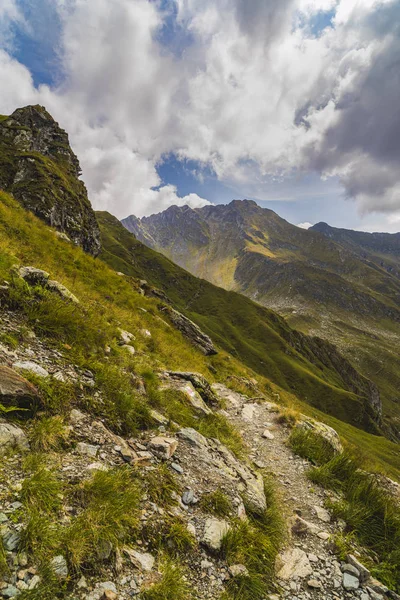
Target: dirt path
[[311, 569]]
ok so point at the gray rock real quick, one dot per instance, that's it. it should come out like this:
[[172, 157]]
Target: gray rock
[[322, 514], [200, 384], [238, 571], [11, 540], [328, 434], [141, 560], [188, 497], [350, 582], [314, 583], [268, 435], [293, 563], [62, 291], [364, 573], [192, 436], [188, 391], [59, 566], [347, 568], [34, 276], [177, 468], [31, 367], [214, 532], [10, 591], [190, 330], [87, 449], [12, 436]]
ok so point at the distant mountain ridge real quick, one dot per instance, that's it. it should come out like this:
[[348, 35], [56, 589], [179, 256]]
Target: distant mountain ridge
[[340, 285]]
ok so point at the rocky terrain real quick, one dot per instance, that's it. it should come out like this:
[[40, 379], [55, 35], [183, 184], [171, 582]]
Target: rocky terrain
[[160, 437], [306, 567]]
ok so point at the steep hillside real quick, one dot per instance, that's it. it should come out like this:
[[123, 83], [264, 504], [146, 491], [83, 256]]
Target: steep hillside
[[322, 286], [39, 168], [309, 367]]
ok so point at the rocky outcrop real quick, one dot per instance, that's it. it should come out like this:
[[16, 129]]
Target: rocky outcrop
[[323, 431], [190, 330], [39, 168], [35, 276], [199, 382]]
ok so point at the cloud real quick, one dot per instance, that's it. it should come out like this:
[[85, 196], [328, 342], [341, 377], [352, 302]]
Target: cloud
[[305, 225], [254, 94]]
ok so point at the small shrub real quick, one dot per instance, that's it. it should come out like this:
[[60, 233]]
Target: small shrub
[[311, 446], [56, 397], [41, 535], [216, 503], [48, 433], [161, 484], [9, 340], [288, 417], [41, 491], [171, 535], [4, 570], [172, 586]]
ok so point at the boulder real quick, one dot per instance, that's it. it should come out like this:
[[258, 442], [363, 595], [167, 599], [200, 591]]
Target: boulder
[[192, 396], [350, 582], [16, 391], [61, 290], [328, 434], [364, 573], [293, 563], [34, 276], [200, 384], [141, 560], [214, 532], [190, 330], [192, 436], [12, 436]]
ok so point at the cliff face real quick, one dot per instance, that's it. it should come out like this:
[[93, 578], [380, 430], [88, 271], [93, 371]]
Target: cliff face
[[39, 168]]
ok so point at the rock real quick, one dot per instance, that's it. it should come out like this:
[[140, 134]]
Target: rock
[[301, 527], [129, 349], [200, 384], [36, 149], [125, 336], [31, 367], [34, 276], [141, 560], [192, 436], [164, 446], [109, 595], [16, 391], [145, 333], [10, 591], [268, 435], [177, 468], [62, 291], [76, 416], [96, 466], [322, 514], [11, 540], [12, 436], [314, 583], [328, 434], [187, 389], [87, 449], [158, 417], [248, 412], [364, 573], [214, 532], [59, 566], [238, 571], [350, 582], [293, 563], [323, 535], [188, 497], [346, 568], [62, 236], [190, 330]]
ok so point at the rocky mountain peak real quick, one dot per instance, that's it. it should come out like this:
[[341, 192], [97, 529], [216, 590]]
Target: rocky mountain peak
[[38, 166]]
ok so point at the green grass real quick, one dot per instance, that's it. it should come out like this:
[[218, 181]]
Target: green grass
[[4, 570], [372, 515], [108, 519], [160, 484], [48, 433], [310, 445], [169, 535], [216, 503], [172, 586], [254, 543]]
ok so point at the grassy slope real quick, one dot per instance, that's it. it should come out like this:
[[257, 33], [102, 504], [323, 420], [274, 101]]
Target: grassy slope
[[110, 301], [246, 330]]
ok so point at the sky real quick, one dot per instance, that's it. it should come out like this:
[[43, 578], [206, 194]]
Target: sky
[[294, 104]]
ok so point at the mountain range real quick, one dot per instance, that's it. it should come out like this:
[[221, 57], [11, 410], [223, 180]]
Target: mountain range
[[340, 285]]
